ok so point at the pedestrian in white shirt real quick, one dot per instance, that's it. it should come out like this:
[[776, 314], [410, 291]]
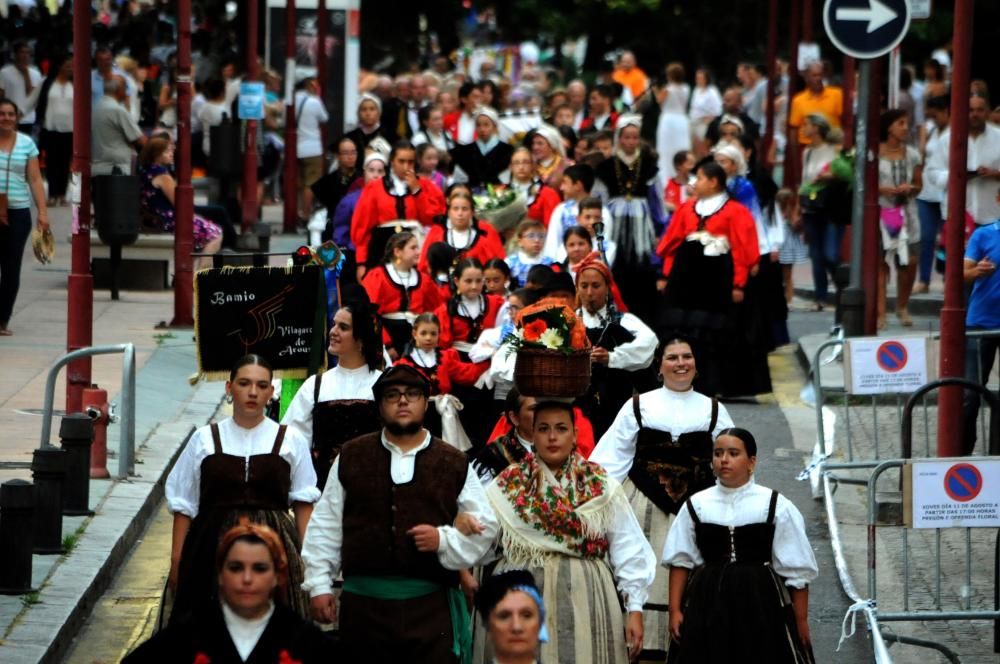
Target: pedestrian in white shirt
[[983, 165], [310, 114], [19, 82]]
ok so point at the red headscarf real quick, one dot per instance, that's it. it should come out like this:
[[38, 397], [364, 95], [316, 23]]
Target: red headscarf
[[593, 262]]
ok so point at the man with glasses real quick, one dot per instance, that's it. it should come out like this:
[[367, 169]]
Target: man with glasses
[[382, 521]]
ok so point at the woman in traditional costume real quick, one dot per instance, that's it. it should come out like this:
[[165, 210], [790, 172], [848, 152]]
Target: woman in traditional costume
[[244, 466], [622, 346], [636, 213], [660, 448], [540, 198], [385, 204], [333, 407], [708, 252], [250, 622], [399, 291], [459, 229], [565, 520], [550, 155], [369, 122], [483, 161], [740, 567]]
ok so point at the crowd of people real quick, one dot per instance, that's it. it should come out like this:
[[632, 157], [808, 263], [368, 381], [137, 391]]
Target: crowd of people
[[414, 479]]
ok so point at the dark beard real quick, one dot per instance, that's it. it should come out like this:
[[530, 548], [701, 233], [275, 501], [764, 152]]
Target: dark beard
[[397, 429]]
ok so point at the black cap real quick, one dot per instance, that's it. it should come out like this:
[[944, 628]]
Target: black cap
[[400, 374], [496, 587]]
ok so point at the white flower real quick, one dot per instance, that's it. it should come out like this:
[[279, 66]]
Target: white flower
[[551, 339]]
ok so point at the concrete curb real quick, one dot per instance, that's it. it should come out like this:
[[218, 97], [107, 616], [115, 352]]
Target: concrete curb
[[43, 632]]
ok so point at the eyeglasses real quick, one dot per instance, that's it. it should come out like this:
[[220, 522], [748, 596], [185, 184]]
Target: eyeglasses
[[411, 394], [534, 236]]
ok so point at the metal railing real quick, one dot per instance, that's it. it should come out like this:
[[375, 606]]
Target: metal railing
[[825, 470], [126, 443]]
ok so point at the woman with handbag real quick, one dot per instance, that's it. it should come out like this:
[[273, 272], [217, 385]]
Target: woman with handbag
[[20, 183], [822, 234], [900, 178]]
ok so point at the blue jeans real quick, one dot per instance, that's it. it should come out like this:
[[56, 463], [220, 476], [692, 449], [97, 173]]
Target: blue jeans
[[13, 237], [980, 352], [824, 238], [930, 225]]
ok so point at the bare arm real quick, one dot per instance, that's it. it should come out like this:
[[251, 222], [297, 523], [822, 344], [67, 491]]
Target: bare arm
[[167, 185], [38, 192], [302, 513], [800, 605], [182, 523], [678, 582], [166, 98]]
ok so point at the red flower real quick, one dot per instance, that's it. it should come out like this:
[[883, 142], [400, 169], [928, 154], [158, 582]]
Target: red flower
[[534, 330], [285, 658], [202, 658]]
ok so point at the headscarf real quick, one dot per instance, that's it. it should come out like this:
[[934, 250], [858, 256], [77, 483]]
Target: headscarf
[[367, 96], [376, 156], [489, 112], [270, 539], [496, 587], [593, 262], [552, 137], [733, 153], [729, 118], [627, 120]]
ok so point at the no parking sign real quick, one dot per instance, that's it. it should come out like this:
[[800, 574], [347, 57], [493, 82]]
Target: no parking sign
[[949, 493], [876, 365]]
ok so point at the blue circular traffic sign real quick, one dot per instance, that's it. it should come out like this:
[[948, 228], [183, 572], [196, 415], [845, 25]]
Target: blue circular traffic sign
[[866, 29], [963, 482], [891, 356]]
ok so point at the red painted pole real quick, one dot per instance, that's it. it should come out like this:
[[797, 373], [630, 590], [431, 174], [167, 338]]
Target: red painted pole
[[250, 133], [953, 313], [184, 231], [772, 78], [792, 150], [80, 285], [870, 254], [847, 118], [322, 20], [807, 21], [289, 180]]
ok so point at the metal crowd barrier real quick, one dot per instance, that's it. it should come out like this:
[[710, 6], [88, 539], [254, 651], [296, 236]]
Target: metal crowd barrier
[[876, 456]]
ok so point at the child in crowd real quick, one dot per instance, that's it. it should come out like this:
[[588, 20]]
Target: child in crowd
[[678, 187], [496, 277], [577, 182], [577, 244], [460, 230], [530, 239], [793, 249], [428, 160]]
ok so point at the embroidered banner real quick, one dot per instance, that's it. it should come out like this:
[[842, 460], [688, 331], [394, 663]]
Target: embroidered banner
[[278, 313]]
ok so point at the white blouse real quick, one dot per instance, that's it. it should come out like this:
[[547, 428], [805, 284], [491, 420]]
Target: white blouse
[[661, 409], [184, 482], [59, 112], [324, 540], [245, 632], [636, 354], [792, 556], [338, 383]]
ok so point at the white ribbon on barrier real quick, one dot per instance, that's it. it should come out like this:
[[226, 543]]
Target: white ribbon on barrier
[[865, 605]]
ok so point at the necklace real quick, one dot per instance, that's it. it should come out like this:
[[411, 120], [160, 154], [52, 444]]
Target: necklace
[[416, 355], [400, 279], [468, 242], [627, 183]]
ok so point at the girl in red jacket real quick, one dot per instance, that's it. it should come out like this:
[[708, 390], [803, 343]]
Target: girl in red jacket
[[460, 230], [469, 311], [399, 291]]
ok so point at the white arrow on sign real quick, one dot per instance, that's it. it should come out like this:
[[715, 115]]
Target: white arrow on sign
[[877, 14]]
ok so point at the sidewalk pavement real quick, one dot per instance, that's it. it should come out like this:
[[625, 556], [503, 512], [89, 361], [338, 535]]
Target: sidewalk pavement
[[38, 627], [924, 304]]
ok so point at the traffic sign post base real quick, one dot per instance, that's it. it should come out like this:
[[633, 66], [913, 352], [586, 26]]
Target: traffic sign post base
[[852, 311]]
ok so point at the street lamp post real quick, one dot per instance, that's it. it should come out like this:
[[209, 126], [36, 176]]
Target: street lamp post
[[184, 231], [289, 179], [249, 207]]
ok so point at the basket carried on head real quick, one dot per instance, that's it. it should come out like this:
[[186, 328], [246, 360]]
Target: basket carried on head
[[541, 372]]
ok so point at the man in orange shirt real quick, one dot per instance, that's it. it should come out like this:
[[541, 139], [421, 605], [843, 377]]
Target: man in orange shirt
[[629, 75], [816, 98]]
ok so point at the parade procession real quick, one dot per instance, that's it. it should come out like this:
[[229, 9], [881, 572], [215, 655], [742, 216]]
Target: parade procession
[[499, 333]]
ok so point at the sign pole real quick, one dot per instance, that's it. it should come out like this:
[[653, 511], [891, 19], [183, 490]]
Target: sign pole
[[953, 312], [852, 300]]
